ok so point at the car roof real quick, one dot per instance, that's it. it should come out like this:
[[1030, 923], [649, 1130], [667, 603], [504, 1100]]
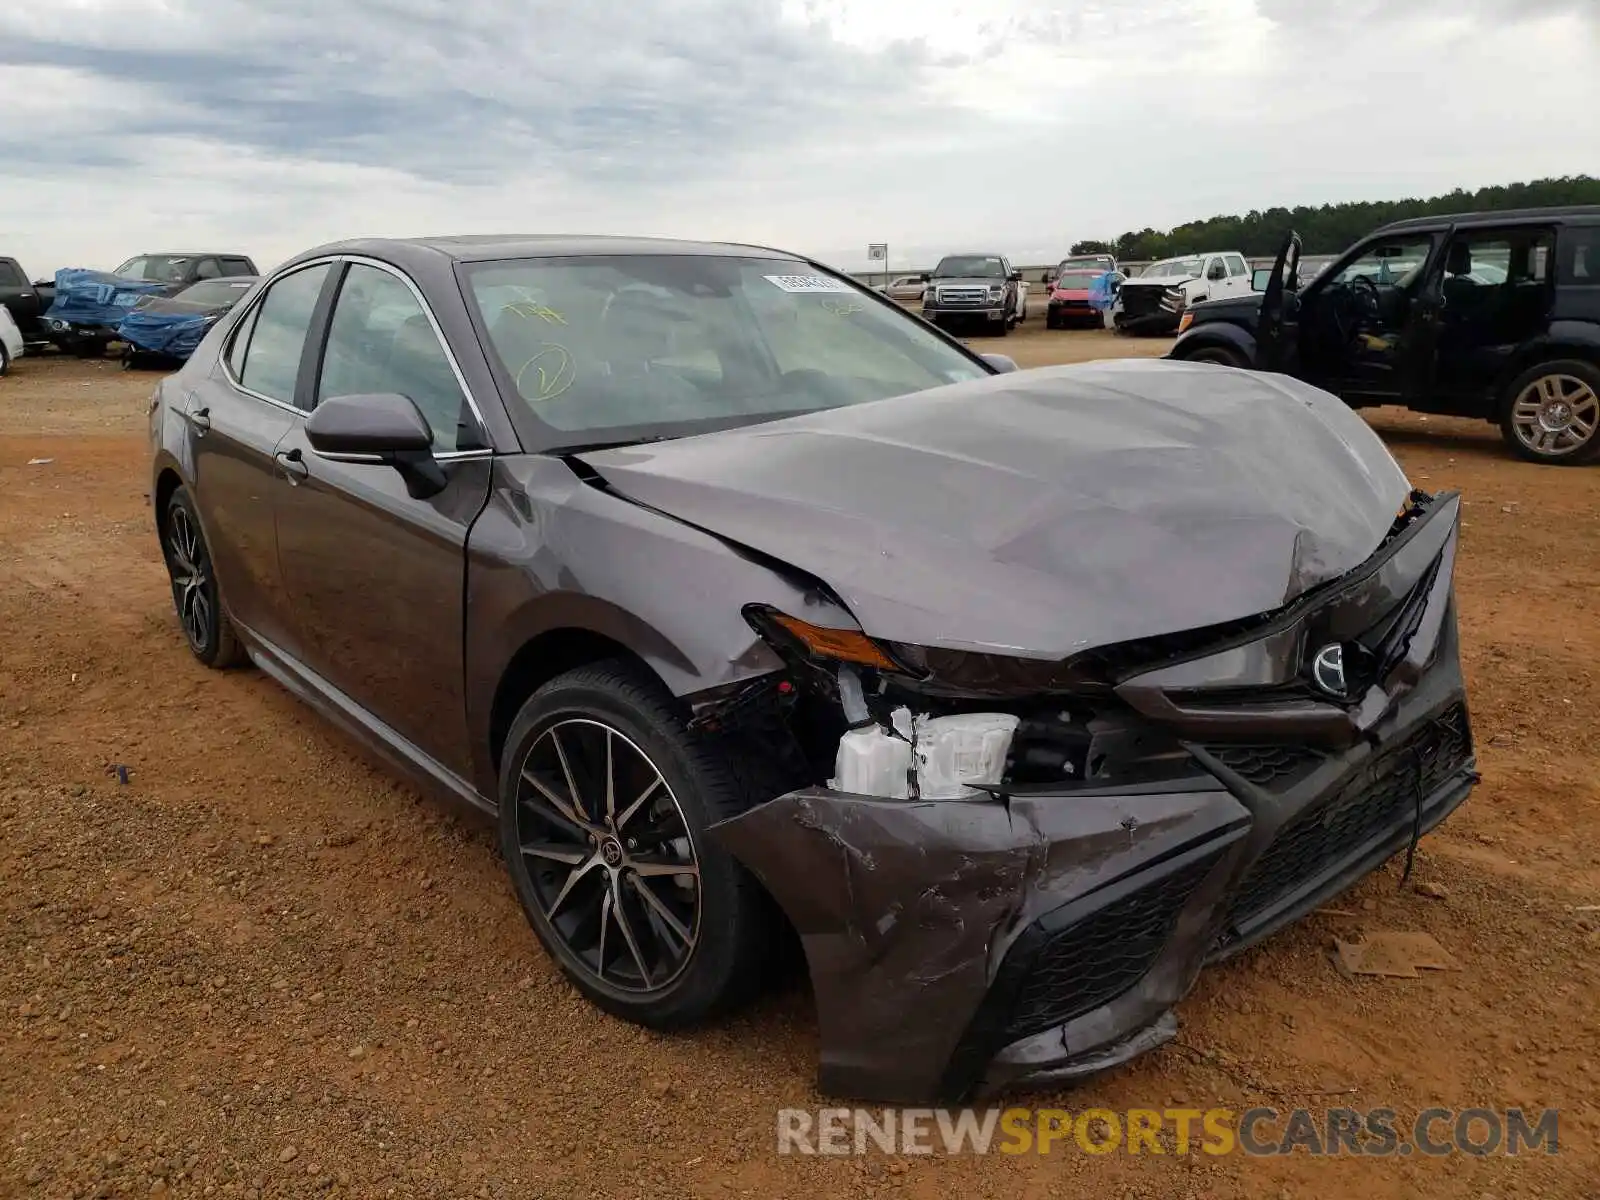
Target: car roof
[[488, 247], [190, 254], [1583, 214]]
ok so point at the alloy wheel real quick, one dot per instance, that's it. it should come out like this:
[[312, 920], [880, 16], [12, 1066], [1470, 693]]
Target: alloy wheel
[[190, 579], [609, 854], [1556, 415]]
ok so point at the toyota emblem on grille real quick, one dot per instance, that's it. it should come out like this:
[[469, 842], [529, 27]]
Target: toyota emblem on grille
[[1327, 669]]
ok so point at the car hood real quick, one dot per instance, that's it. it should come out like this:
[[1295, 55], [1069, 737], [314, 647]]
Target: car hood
[[1069, 294], [172, 306], [1044, 512], [1160, 281], [964, 280]]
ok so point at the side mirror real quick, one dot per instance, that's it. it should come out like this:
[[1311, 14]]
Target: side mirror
[[380, 424], [1015, 277], [1259, 278], [380, 428], [1003, 363], [924, 277]]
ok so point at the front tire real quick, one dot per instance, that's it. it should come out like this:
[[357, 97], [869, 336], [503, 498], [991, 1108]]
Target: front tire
[[1551, 413], [1221, 355], [195, 593], [5, 362], [605, 799]]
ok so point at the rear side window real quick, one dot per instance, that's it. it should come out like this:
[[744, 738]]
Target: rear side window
[[237, 266], [240, 344], [1578, 258], [1236, 266], [272, 360]]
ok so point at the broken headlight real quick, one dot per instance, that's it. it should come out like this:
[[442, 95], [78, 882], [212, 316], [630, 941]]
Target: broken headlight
[[913, 722]]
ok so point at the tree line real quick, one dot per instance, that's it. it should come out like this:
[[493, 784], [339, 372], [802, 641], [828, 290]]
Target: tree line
[[1330, 228]]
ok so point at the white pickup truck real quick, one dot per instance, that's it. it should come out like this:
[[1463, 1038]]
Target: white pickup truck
[[1154, 300]]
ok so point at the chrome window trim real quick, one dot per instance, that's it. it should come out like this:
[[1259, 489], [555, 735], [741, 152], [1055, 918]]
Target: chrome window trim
[[422, 303]]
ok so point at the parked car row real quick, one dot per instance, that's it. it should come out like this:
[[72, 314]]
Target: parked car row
[[83, 311]]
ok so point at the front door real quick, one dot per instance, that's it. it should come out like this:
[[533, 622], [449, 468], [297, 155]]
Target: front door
[[1354, 320], [236, 418], [377, 577]]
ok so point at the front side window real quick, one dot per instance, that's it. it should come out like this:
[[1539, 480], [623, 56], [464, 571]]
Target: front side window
[[616, 348], [11, 276], [380, 341], [208, 269], [278, 337]]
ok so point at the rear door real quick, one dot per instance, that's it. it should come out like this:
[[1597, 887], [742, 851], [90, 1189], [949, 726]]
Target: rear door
[[376, 576], [236, 418], [1238, 283]]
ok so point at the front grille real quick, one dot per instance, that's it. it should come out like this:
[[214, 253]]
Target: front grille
[[963, 295], [1268, 766], [1141, 301], [1097, 958], [1379, 799]]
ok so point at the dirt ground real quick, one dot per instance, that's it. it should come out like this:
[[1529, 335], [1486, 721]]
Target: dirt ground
[[263, 968]]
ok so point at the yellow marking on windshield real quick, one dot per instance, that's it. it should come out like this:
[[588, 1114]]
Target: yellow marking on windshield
[[554, 368], [842, 308]]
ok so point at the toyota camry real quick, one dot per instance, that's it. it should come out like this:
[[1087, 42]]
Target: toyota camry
[[755, 609]]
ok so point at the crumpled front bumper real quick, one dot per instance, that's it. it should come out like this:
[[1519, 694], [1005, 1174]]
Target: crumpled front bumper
[[957, 947]]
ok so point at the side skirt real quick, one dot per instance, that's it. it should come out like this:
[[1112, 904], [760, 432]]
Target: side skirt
[[420, 768]]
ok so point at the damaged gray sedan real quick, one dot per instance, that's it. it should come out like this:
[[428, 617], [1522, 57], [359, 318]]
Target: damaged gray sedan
[[750, 604]]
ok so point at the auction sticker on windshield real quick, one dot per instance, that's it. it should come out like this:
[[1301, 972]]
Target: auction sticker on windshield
[[808, 283]]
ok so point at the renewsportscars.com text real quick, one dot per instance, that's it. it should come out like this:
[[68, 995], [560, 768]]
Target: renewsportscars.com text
[[1257, 1132]]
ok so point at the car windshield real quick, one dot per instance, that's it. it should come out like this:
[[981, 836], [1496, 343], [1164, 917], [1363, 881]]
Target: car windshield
[[970, 266], [1173, 266], [629, 347], [1077, 279], [213, 292], [1073, 264], [155, 268]]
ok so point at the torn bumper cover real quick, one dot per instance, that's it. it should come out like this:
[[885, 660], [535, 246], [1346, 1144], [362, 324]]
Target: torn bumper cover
[[1045, 933]]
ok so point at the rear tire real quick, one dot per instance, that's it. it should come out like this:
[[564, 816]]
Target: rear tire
[[583, 887], [5, 362], [1550, 413], [195, 592]]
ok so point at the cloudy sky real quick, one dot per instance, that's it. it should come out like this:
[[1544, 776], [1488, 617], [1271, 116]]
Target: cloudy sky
[[818, 125]]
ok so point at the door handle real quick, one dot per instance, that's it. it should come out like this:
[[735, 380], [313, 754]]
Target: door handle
[[293, 464], [200, 420]]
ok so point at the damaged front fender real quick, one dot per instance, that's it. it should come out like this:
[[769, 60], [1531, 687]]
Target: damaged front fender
[[907, 909]]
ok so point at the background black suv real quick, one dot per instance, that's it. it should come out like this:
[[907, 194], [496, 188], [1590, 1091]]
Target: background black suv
[[1491, 315]]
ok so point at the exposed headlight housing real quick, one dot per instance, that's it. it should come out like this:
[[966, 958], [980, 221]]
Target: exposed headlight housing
[[1185, 321]]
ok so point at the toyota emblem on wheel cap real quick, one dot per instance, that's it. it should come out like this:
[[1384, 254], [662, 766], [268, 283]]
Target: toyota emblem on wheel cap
[[1327, 669]]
